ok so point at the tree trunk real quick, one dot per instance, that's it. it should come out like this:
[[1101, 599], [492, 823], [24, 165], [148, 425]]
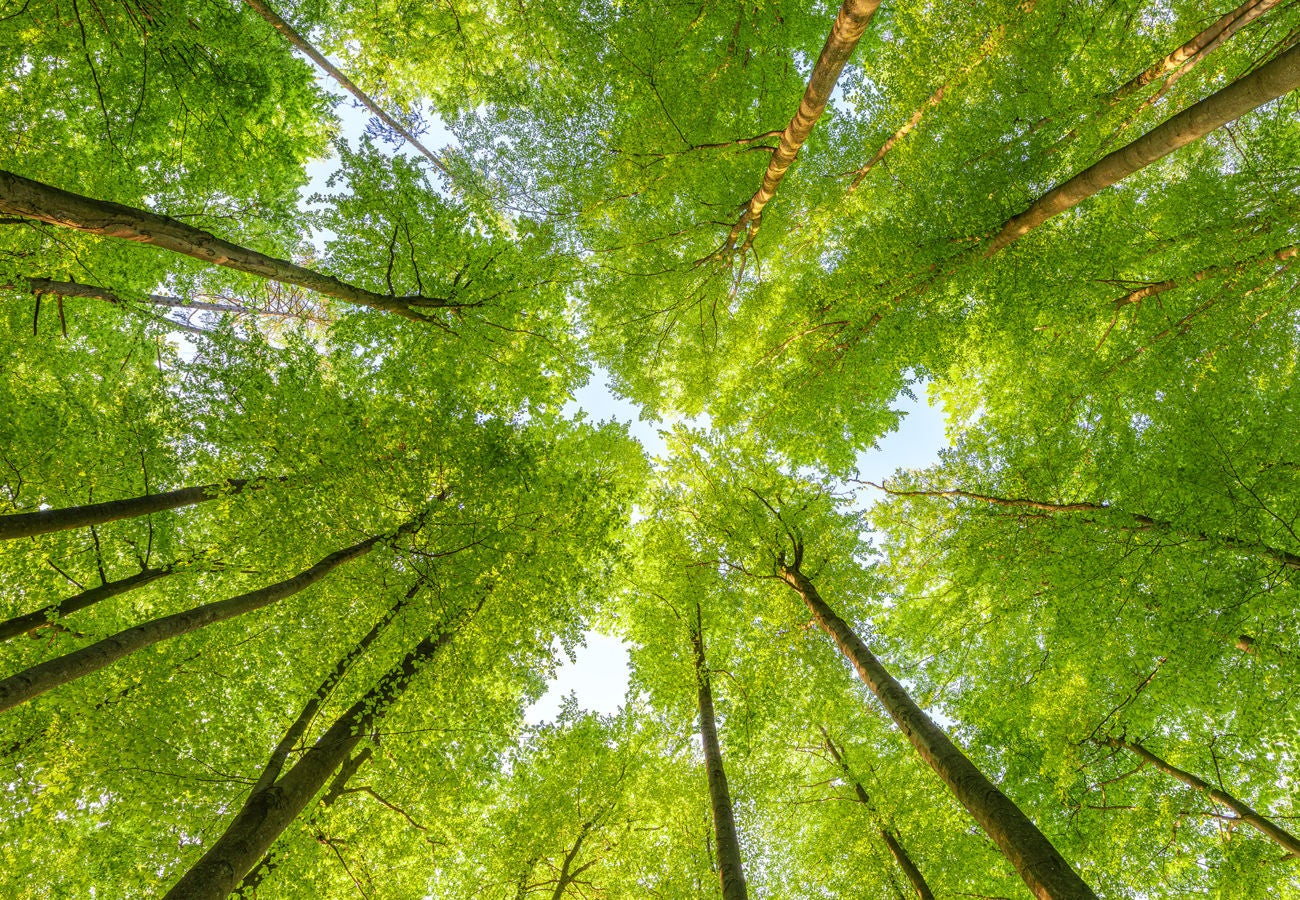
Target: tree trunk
[[40, 678], [31, 199], [20, 624], [1286, 558], [1266, 83], [31, 524], [268, 812], [919, 884], [1280, 836], [1282, 254], [567, 870], [1189, 54], [361, 96], [850, 23], [1043, 869], [730, 870]]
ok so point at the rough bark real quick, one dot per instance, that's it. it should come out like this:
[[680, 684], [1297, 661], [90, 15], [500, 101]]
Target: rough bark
[[33, 200], [89, 597], [1286, 558], [919, 884], [50, 674], [850, 24], [268, 812], [31, 524], [731, 872], [1266, 83], [1280, 836], [330, 69], [1044, 871]]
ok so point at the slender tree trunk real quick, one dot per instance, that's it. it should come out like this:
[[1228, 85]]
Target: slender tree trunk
[[31, 199], [300, 725], [280, 25], [21, 624], [986, 50], [268, 812], [45, 676], [567, 870], [730, 870], [919, 884], [850, 24], [45, 286], [1180, 61], [31, 524], [1286, 558], [1249, 92], [1280, 836], [1040, 865], [1282, 254]]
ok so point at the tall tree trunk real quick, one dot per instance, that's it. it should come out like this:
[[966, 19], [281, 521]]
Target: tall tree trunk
[[269, 811], [850, 23], [280, 25], [1280, 836], [1040, 865], [31, 199], [1286, 558], [919, 884], [24, 623], [730, 870], [1266, 83], [31, 524], [45, 676]]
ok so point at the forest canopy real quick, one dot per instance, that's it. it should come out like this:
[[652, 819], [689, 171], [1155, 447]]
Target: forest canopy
[[297, 518]]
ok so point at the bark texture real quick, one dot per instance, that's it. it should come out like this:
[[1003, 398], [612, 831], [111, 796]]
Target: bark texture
[[21, 624], [1044, 871], [1279, 835], [269, 811], [33, 200], [1266, 83], [50, 674], [31, 524], [730, 869], [850, 24], [280, 25]]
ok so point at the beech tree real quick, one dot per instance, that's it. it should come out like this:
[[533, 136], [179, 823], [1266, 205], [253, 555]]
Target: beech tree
[[303, 308]]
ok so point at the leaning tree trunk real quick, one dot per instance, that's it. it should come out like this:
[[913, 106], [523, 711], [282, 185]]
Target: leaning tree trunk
[[1266, 83], [730, 870], [1040, 865], [919, 884], [1279, 835], [33, 200], [31, 524], [269, 811], [280, 25], [45, 676], [850, 24], [31, 621]]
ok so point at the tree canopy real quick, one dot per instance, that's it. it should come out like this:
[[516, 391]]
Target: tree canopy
[[298, 515]]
